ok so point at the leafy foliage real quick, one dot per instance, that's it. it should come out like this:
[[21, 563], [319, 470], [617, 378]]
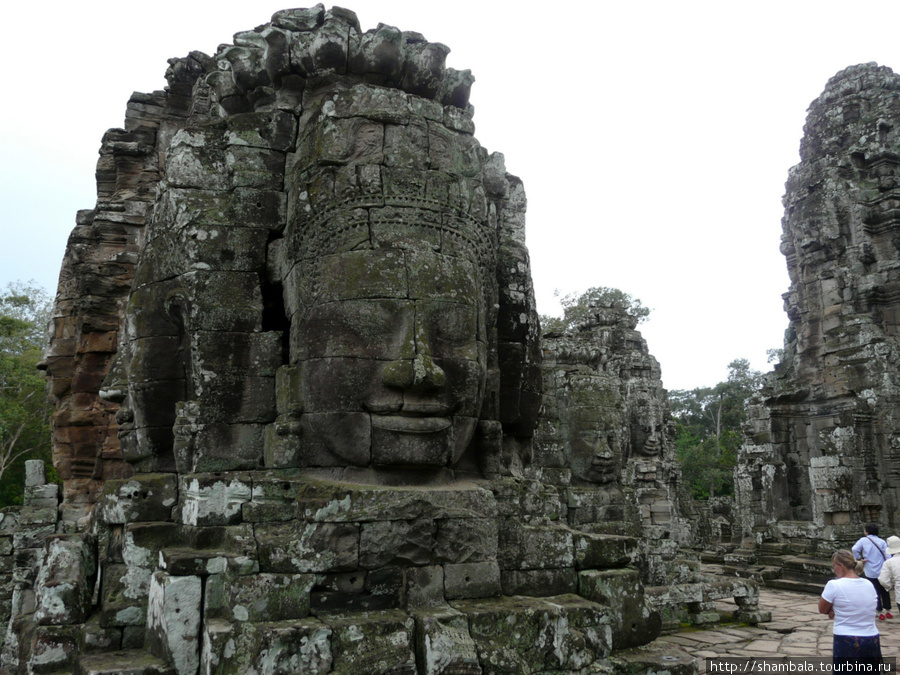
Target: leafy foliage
[[708, 429], [24, 408], [577, 308]]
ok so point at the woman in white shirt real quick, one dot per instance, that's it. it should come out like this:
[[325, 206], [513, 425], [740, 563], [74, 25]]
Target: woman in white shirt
[[850, 601], [890, 571]]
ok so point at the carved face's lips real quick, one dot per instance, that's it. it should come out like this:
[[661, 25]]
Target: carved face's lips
[[410, 424], [603, 462], [652, 446]]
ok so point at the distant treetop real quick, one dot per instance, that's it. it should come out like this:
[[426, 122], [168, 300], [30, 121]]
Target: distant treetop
[[579, 308]]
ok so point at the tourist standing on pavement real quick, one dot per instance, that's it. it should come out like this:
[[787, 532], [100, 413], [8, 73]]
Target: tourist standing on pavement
[[889, 577], [849, 601], [873, 550]]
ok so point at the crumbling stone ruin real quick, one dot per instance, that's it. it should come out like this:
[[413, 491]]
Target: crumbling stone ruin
[[297, 372], [605, 424], [605, 437], [822, 455]]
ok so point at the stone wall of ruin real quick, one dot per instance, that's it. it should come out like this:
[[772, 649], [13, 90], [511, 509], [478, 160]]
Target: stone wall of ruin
[[95, 280]]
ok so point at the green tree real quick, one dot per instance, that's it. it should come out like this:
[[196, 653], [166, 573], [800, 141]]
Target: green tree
[[24, 408], [577, 308], [708, 429]]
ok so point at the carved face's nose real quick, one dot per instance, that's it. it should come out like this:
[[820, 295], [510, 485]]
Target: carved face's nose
[[417, 374], [603, 452], [415, 370]]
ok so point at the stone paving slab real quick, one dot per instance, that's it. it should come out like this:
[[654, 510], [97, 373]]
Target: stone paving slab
[[796, 630]]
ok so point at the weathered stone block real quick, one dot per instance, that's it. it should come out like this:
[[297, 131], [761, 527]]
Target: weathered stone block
[[236, 249], [298, 547], [199, 562], [131, 661], [527, 546], [65, 582], [258, 597], [471, 580], [281, 450], [424, 586], [213, 498], [603, 550], [404, 542], [464, 540], [196, 159], [123, 598], [134, 637], [377, 103], [224, 301], [406, 146], [341, 502], [272, 498], [143, 542], [654, 660], [255, 168], [532, 635], [30, 515], [257, 208], [34, 472], [42, 496], [271, 130], [54, 649], [539, 583], [145, 497], [9, 519], [443, 643], [324, 603], [376, 642], [224, 447], [517, 497], [32, 536], [96, 638], [173, 620], [302, 646], [623, 593]]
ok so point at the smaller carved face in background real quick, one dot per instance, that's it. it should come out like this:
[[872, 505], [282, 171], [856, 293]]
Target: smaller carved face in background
[[596, 456], [646, 434]]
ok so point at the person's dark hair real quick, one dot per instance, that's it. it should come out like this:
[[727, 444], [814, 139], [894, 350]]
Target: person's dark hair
[[871, 528]]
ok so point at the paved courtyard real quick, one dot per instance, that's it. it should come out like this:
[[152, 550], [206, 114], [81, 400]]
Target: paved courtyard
[[796, 630]]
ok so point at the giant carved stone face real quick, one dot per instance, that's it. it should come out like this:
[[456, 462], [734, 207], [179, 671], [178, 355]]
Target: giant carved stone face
[[388, 256], [391, 353], [596, 456]]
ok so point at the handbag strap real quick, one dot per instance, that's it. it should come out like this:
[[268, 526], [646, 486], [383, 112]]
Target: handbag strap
[[876, 546]]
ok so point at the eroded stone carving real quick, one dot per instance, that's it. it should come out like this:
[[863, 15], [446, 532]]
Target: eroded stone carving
[[376, 256], [605, 423]]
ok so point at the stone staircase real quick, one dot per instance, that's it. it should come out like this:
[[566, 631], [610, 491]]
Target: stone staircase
[[772, 565]]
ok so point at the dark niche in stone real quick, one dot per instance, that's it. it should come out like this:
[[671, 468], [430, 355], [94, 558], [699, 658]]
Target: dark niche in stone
[[296, 421], [821, 454]]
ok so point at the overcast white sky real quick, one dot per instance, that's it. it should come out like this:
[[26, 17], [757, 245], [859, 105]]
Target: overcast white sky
[[653, 137]]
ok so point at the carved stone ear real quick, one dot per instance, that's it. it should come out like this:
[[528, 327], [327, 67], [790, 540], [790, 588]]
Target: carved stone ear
[[177, 309]]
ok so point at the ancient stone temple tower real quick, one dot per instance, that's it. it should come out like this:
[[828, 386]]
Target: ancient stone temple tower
[[823, 451], [296, 365], [605, 428]]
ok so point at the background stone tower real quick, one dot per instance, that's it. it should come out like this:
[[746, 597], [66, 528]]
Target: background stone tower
[[822, 455]]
